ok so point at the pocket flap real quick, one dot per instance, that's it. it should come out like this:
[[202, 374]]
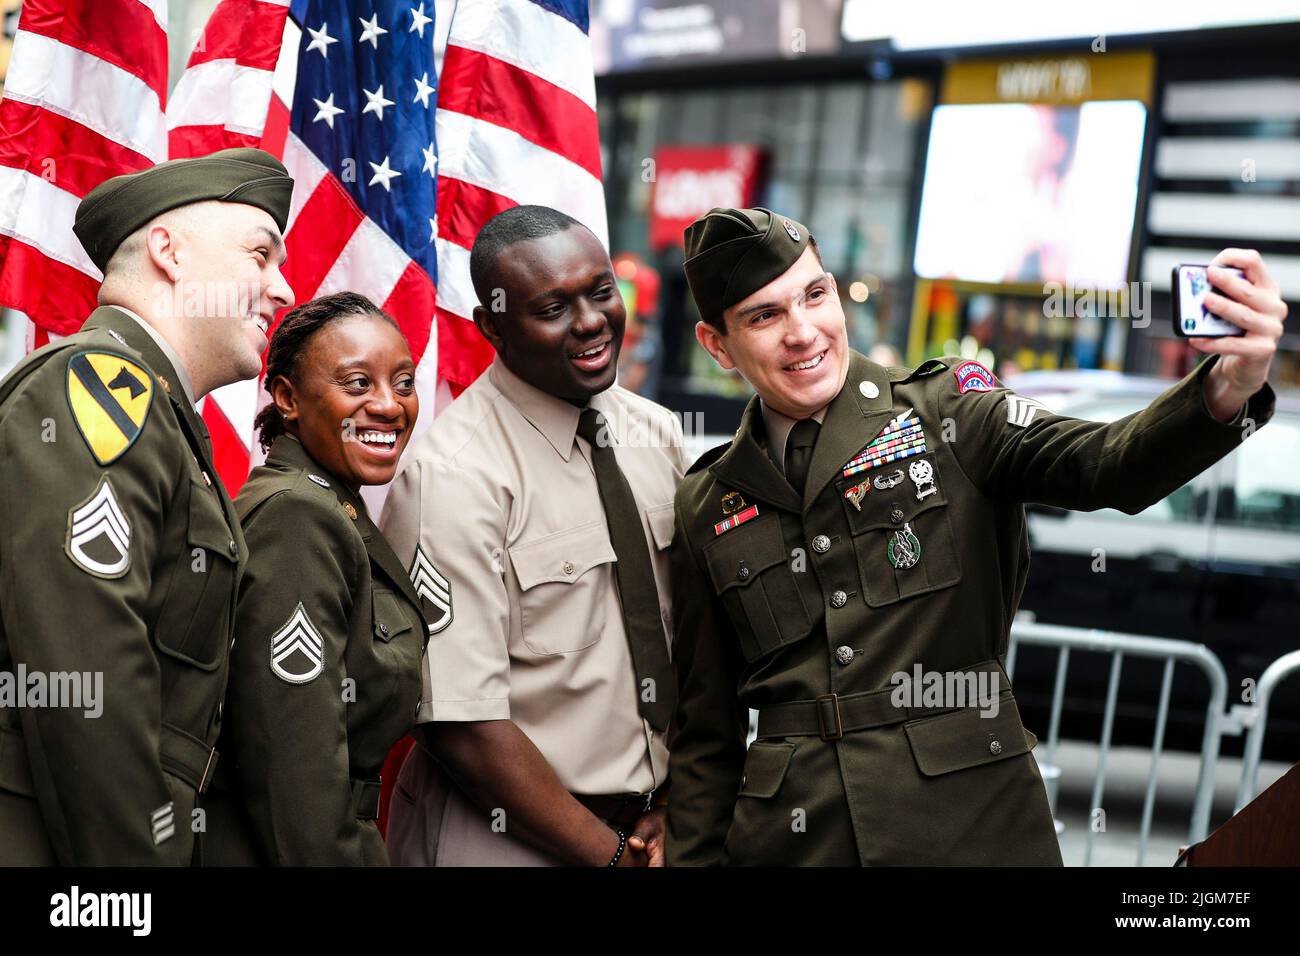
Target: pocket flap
[[564, 556], [737, 557], [208, 528], [390, 619], [765, 767], [875, 505], [960, 739], [660, 518]]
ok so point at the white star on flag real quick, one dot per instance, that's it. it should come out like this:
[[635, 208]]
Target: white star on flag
[[418, 20], [371, 30], [430, 161], [321, 40], [376, 102], [422, 90], [384, 174], [327, 110]]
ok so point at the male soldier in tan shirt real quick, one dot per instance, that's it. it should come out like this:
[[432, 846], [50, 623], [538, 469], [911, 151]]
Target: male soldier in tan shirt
[[540, 531]]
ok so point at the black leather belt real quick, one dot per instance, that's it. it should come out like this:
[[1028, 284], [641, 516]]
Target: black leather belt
[[365, 798], [831, 716], [622, 810]]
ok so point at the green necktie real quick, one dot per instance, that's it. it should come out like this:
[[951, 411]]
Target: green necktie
[[799, 451], [635, 574]]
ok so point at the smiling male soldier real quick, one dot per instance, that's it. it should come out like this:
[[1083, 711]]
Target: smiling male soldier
[[120, 553], [866, 520], [536, 513]]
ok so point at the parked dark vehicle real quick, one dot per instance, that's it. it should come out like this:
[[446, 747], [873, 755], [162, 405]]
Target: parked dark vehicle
[[1216, 562]]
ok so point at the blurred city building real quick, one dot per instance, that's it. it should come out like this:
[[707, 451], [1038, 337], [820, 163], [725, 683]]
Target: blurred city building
[[1002, 181]]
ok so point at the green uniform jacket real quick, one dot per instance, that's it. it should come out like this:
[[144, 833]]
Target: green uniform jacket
[[803, 600], [128, 569], [325, 674]]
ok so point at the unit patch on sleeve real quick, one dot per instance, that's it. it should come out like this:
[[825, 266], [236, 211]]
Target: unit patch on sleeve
[[109, 396], [974, 377]]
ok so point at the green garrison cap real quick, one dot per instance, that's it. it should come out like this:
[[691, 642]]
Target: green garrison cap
[[732, 253], [119, 206]]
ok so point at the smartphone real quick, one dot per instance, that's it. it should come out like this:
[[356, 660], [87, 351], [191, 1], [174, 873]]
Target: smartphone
[[1191, 317]]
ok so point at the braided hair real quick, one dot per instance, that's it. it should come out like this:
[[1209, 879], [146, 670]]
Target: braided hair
[[290, 341]]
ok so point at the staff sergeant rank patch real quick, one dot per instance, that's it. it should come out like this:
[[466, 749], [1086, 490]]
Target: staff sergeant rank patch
[[430, 584], [297, 649], [109, 396], [99, 534]]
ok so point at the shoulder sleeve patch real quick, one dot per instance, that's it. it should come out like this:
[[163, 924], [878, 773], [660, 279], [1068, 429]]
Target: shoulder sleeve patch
[[109, 396], [974, 377]]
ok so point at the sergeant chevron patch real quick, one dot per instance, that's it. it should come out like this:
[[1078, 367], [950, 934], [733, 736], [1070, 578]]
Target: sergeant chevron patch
[[1021, 410], [99, 534], [433, 587], [297, 649]]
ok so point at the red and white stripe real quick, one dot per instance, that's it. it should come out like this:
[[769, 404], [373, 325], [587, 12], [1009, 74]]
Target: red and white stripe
[[87, 87], [83, 101], [516, 125]]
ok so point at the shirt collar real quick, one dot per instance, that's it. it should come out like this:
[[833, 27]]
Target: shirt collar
[[167, 350], [554, 417], [778, 427]]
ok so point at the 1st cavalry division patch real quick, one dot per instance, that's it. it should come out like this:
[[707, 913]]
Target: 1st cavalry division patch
[[109, 396]]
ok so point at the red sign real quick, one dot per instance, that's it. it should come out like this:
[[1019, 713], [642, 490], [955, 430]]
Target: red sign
[[691, 180]]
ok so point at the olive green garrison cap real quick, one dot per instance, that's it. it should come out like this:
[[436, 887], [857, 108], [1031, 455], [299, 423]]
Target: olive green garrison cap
[[119, 206], [732, 253]]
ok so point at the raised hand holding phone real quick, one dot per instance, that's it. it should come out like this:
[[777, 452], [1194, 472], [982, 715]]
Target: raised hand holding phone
[[1244, 294]]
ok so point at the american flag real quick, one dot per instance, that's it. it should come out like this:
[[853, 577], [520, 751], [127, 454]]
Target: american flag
[[405, 124]]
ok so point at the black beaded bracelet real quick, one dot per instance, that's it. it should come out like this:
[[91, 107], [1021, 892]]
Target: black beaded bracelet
[[622, 845]]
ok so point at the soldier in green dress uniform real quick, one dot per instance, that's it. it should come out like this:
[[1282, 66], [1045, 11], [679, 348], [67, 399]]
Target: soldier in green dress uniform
[[120, 552], [867, 523]]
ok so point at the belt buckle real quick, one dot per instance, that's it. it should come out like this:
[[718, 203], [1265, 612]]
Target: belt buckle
[[834, 700]]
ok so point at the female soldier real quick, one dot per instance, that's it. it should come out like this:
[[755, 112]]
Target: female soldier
[[325, 670]]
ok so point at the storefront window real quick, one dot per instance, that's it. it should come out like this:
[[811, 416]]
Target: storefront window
[[842, 158]]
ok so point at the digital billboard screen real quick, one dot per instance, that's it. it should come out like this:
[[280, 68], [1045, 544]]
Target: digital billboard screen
[[1031, 193]]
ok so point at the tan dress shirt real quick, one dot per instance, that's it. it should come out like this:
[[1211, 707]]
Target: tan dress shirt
[[497, 513]]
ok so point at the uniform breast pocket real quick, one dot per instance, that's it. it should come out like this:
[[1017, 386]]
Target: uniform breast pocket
[[902, 534], [390, 618], [752, 576], [565, 580], [194, 622]]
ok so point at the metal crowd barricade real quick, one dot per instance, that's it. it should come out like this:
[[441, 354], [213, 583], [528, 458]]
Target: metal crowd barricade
[[1118, 645], [1274, 674]]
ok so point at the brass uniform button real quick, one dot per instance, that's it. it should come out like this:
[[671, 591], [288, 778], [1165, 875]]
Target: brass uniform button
[[821, 544], [839, 599], [844, 655], [896, 516], [995, 748], [743, 573]]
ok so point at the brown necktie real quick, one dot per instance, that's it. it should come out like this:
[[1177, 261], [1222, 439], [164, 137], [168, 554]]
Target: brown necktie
[[635, 575], [799, 451]]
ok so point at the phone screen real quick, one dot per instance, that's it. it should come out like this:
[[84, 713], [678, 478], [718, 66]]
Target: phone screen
[[1193, 317]]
